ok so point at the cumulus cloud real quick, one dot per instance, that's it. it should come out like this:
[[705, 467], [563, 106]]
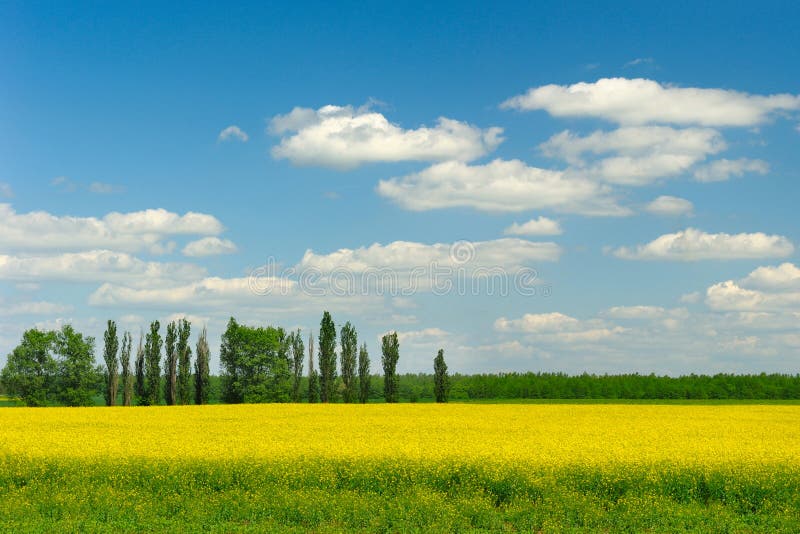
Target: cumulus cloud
[[693, 245], [344, 137], [783, 276], [638, 155], [642, 101], [233, 132], [766, 288], [722, 169], [129, 232], [499, 186], [667, 205], [557, 328], [540, 226], [95, 266], [537, 322], [209, 246]]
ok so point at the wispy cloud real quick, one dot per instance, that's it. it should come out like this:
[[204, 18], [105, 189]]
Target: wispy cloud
[[233, 132]]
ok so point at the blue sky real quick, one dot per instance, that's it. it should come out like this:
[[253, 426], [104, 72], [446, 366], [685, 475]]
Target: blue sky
[[153, 159]]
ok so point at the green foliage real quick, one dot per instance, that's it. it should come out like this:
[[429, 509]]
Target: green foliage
[[77, 378], [363, 374], [30, 370], [327, 358], [184, 354], [110, 348], [298, 353], [319, 495], [152, 366], [313, 375], [139, 388], [349, 344], [441, 381], [391, 353], [202, 381], [255, 364], [127, 377], [170, 364]]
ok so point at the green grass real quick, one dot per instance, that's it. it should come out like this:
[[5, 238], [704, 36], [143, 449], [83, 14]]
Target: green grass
[[326, 496]]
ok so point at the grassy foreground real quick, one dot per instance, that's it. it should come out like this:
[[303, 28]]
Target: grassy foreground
[[406, 468]]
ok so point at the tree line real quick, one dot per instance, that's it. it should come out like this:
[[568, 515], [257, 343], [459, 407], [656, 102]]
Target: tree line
[[258, 364]]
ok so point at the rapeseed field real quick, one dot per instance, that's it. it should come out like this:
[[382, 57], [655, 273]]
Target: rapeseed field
[[401, 468]]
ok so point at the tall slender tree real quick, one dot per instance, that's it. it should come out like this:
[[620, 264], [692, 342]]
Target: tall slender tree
[[152, 364], [140, 389], [313, 376], [327, 357], [201, 370], [363, 374], [110, 348], [391, 353], [349, 343], [126, 377], [298, 353], [170, 364], [441, 380], [184, 352]]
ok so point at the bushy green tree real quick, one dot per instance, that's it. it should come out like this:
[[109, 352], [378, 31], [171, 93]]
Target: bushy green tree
[[202, 381], [363, 374], [391, 353], [327, 357], [170, 364], [152, 366], [298, 354], [126, 377], [184, 353], [78, 379], [110, 348], [313, 375], [441, 380], [255, 365], [349, 343], [30, 370]]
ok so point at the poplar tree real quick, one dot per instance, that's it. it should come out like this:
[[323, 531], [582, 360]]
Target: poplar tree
[[152, 366], [298, 353], [313, 376], [201, 370], [349, 343], [391, 353], [140, 390], [327, 357], [127, 378], [184, 352], [110, 347], [170, 364], [363, 374], [441, 381]]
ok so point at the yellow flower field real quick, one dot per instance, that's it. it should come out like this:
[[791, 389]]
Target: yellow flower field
[[402, 467], [539, 435]]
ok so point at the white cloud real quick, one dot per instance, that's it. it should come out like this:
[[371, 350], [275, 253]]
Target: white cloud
[[636, 312], [722, 169], [499, 186], [33, 308], [540, 226], [784, 276], [6, 191], [538, 322], [642, 101], [233, 132], [102, 188], [129, 232], [667, 205], [209, 246], [693, 245], [405, 255], [95, 266], [690, 298], [639, 61], [641, 154], [344, 137]]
